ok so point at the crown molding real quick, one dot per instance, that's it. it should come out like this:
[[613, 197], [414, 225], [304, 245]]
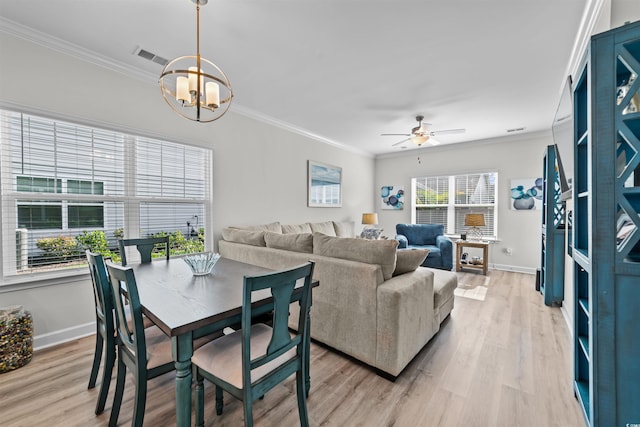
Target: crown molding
[[45, 40], [247, 112]]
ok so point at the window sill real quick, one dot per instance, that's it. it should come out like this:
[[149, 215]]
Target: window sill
[[38, 280]]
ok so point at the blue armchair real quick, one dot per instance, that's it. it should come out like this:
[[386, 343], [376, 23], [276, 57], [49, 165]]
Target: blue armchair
[[427, 236]]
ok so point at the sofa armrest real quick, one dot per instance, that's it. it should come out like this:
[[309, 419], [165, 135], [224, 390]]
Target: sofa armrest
[[446, 250], [403, 242], [405, 319]]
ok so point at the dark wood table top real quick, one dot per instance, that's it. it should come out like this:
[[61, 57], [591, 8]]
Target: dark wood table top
[[179, 302]]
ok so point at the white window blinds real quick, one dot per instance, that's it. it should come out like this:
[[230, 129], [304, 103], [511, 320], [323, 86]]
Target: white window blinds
[[447, 199], [67, 187]]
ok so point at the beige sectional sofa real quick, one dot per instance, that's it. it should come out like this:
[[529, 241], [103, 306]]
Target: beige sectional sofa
[[373, 303]]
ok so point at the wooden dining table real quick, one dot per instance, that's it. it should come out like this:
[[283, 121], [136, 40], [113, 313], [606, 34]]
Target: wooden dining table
[[186, 307]]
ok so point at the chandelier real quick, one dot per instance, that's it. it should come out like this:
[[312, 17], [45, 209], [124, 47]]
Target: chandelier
[[195, 87]]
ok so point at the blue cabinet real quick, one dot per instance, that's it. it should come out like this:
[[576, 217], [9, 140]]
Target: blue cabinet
[[553, 228], [606, 226]]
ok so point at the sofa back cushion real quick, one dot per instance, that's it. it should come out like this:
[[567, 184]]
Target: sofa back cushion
[[248, 237], [323, 227], [302, 242], [380, 252], [420, 234], [296, 228], [408, 260], [345, 228]]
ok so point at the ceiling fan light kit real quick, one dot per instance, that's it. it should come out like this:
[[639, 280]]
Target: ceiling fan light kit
[[195, 87], [421, 133]]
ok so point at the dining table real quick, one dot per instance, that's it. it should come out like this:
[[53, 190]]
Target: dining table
[[186, 307]]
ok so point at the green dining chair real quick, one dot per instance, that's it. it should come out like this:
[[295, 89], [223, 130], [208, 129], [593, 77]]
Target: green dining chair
[[145, 352], [251, 361], [105, 330], [145, 247]]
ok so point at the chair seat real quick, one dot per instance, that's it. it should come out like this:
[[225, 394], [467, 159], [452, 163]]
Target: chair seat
[[223, 356], [159, 346]]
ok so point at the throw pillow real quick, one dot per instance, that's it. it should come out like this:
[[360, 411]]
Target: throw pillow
[[345, 228], [302, 242], [409, 260], [254, 238], [323, 227], [380, 252], [296, 228]]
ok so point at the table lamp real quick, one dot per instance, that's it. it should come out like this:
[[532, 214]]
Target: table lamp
[[370, 231], [474, 220]]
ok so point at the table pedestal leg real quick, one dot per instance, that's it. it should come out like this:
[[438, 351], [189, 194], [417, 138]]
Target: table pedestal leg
[[182, 348]]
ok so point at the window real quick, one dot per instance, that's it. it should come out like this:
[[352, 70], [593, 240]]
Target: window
[[447, 199], [67, 187]]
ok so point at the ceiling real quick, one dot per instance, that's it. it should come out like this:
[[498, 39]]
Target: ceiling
[[344, 70]]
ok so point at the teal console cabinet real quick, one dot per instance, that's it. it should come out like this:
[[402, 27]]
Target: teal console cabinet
[[553, 228], [606, 226]]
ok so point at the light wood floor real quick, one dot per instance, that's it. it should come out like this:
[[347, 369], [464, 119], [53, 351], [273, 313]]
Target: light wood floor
[[504, 361]]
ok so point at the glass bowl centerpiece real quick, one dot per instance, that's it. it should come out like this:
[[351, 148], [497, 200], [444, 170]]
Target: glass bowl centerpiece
[[201, 263]]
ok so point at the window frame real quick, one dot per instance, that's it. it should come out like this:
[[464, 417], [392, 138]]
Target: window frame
[[451, 205], [10, 274]]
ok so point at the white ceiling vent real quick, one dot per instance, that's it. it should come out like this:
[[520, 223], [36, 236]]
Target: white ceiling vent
[[515, 130], [150, 56]]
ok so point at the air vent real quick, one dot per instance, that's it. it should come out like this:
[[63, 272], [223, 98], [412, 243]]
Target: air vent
[[150, 56], [515, 130]]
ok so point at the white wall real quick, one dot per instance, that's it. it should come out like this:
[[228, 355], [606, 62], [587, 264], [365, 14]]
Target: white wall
[[259, 170], [512, 158]]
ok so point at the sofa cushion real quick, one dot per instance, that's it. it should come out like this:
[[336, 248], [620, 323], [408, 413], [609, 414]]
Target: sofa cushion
[[345, 228], [323, 227], [409, 259], [296, 228], [248, 237], [302, 242], [380, 252], [274, 227]]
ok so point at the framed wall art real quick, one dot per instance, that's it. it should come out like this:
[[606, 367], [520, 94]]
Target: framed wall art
[[324, 185]]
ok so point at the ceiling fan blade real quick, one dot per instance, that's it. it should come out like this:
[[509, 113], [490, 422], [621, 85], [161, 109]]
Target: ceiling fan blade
[[433, 141], [400, 142], [395, 134], [448, 131]]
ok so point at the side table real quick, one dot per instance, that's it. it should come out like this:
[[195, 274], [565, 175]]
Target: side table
[[461, 244]]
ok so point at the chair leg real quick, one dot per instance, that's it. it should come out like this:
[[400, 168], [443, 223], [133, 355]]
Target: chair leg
[[107, 370], [248, 411], [97, 357], [141, 398], [117, 398], [219, 400], [302, 399], [199, 397]]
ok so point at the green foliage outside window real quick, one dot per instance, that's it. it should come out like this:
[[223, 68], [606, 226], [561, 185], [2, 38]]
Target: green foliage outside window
[[427, 196], [61, 247], [67, 248]]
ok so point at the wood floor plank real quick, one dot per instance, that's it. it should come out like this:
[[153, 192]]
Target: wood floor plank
[[504, 361]]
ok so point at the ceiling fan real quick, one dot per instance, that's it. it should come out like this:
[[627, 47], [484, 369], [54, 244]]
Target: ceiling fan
[[421, 133]]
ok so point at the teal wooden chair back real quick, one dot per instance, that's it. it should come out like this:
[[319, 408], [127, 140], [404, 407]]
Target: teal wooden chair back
[[132, 344], [129, 322], [230, 358], [145, 247], [105, 330], [282, 340]]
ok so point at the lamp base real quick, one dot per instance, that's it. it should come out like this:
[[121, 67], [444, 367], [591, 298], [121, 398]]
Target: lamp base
[[474, 233]]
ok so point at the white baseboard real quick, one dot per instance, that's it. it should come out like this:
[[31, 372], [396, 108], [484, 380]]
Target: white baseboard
[[566, 317], [514, 268], [63, 335]]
